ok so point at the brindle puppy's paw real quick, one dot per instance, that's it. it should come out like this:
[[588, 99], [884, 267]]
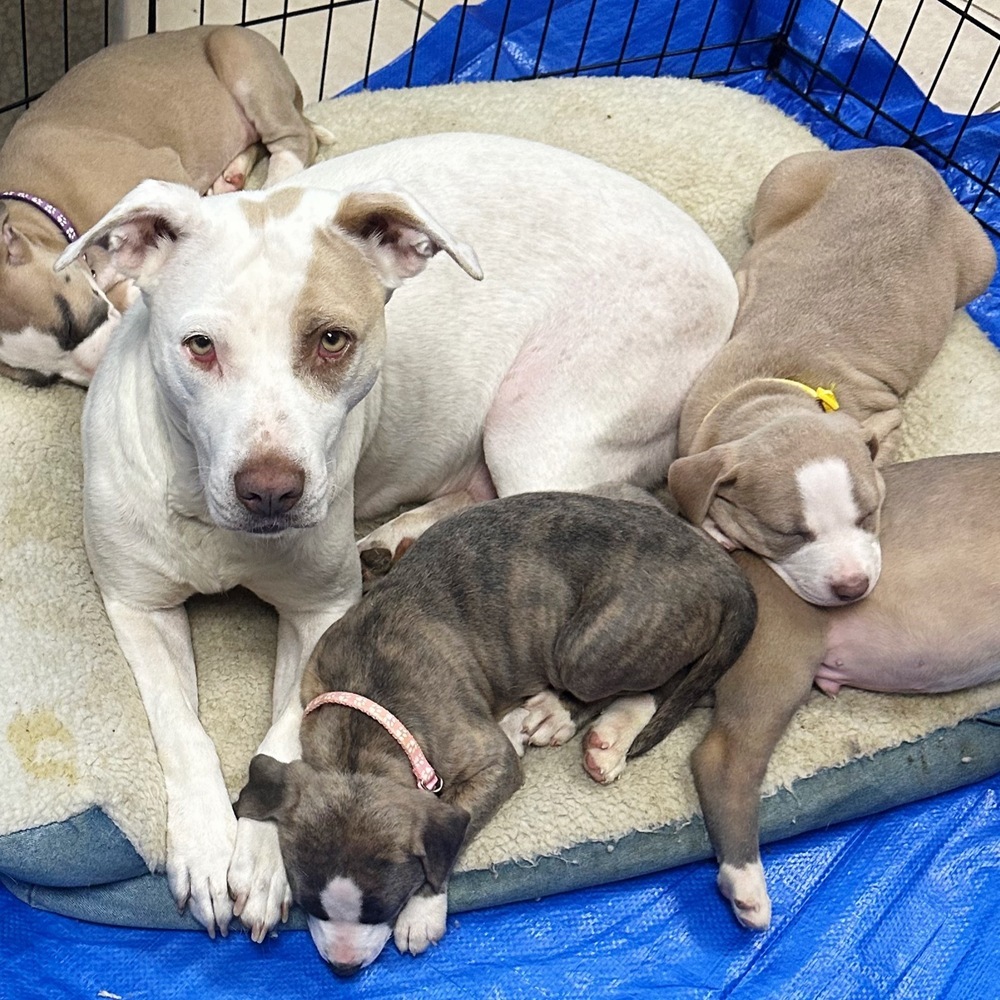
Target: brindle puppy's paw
[[607, 743], [512, 725], [603, 757], [421, 923], [549, 722]]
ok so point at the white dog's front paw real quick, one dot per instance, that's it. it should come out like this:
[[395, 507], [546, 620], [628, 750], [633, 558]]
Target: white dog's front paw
[[199, 845], [746, 889], [549, 722], [422, 922], [257, 878]]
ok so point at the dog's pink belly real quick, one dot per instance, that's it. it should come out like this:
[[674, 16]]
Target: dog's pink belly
[[901, 661]]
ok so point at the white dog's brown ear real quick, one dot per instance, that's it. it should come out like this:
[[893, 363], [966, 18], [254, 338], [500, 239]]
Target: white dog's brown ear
[[141, 231], [439, 839], [268, 794], [695, 479], [400, 235]]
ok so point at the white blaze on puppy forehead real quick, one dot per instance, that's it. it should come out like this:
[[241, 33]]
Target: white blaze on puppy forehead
[[341, 900], [842, 559], [343, 939], [828, 503]]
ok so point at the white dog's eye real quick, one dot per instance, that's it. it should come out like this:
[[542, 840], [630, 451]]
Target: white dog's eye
[[200, 345], [333, 343]]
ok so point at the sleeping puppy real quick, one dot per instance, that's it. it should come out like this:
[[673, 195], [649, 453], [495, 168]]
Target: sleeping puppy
[[187, 106], [858, 262], [507, 624], [931, 625]]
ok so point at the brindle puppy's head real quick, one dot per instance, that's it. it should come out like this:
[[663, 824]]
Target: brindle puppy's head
[[51, 325], [356, 848]]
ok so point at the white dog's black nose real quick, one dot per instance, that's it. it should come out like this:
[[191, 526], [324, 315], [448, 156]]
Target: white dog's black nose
[[269, 486]]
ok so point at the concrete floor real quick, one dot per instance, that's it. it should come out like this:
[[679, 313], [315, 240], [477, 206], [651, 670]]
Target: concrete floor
[[922, 34], [344, 33], [951, 55]]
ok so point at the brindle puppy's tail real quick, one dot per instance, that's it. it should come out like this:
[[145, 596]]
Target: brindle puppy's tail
[[688, 686]]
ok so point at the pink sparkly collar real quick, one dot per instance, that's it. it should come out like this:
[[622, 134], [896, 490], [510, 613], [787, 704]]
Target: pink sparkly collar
[[427, 778]]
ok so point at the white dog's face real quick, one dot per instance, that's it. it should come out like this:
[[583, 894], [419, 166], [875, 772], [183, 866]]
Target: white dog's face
[[266, 327], [262, 392], [814, 519]]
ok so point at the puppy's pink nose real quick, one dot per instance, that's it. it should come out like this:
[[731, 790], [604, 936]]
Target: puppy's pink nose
[[850, 588], [269, 487]]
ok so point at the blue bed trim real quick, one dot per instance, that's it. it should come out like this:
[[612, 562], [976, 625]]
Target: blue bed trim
[[132, 897]]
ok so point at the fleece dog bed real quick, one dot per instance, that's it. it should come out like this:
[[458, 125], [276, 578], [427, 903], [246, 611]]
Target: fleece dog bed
[[82, 806]]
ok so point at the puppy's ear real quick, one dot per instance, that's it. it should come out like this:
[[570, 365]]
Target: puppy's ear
[[871, 440], [14, 248], [399, 235], [439, 839], [269, 793], [141, 231], [695, 479]]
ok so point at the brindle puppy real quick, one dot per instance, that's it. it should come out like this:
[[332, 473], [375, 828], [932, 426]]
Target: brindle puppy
[[619, 605]]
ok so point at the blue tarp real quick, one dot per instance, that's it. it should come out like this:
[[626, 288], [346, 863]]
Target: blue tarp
[[905, 905]]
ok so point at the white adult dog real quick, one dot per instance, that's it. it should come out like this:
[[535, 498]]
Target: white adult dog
[[262, 395]]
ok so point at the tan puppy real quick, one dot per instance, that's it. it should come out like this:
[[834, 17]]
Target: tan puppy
[[931, 625], [187, 106], [858, 262]]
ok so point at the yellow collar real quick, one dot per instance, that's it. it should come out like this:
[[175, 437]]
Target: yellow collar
[[825, 397]]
